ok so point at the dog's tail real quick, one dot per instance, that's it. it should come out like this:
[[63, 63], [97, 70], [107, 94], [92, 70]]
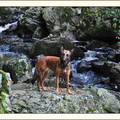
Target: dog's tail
[[34, 78]]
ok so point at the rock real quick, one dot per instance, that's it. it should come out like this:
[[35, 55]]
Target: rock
[[90, 56], [32, 24], [20, 47], [105, 80], [83, 48], [19, 68], [19, 86], [76, 42], [10, 14], [83, 100], [112, 70], [96, 66], [109, 101], [95, 44], [117, 56], [108, 52], [61, 21], [95, 27], [83, 66], [105, 49], [50, 46], [12, 40], [111, 57]]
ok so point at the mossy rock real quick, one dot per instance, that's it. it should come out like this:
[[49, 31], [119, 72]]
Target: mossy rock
[[60, 21], [50, 46], [19, 68]]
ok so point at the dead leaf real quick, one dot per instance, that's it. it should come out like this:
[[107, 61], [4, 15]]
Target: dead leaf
[[8, 81]]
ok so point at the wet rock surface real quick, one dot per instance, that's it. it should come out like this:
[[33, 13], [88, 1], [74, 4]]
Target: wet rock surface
[[63, 24], [83, 100], [51, 46], [34, 24], [19, 68]]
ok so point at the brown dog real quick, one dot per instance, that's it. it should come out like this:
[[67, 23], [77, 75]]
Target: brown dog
[[61, 67]]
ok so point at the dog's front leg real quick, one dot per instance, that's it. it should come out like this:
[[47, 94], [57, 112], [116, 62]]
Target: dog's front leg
[[67, 82], [57, 83]]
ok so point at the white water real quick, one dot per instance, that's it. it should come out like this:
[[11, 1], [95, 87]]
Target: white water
[[88, 78], [7, 26]]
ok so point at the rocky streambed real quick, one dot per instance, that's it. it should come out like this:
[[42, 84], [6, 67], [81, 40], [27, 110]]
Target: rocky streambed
[[36, 32], [83, 100]]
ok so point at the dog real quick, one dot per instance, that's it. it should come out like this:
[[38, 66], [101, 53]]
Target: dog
[[60, 65]]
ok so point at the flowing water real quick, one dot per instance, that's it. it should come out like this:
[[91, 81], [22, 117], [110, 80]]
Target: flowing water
[[88, 78]]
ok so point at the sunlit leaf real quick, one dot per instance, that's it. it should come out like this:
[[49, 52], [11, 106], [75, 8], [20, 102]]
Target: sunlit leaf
[[5, 94]]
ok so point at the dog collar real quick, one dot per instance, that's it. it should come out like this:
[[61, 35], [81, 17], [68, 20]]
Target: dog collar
[[62, 65]]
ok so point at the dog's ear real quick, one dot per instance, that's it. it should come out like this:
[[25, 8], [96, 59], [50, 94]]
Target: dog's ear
[[72, 50], [62, 47]]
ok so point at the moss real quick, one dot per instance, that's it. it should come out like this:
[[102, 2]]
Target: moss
[[4, 82], [23, 65], [64, 98], [90, 110], [95, 99], [24, 111]]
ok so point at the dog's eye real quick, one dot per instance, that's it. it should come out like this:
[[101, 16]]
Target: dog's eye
[[63, 54]]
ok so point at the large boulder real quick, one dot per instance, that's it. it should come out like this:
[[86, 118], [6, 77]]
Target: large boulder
[[83, 66], [31, 23], [95, 44], [19, 68], [94, 24], [10, 14], [50, 46], [61, 21], [112, 70], [117, 56], [83, 100]]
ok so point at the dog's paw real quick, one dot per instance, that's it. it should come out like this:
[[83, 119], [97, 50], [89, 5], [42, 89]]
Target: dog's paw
[[45, 89]]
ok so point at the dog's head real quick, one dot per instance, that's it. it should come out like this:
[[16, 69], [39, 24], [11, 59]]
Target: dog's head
[[65, 55]]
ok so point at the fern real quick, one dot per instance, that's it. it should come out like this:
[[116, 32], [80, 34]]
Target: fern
[[3, 94]]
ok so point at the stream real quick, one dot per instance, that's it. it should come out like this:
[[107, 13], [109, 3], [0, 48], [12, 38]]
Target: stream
[[88, 78]]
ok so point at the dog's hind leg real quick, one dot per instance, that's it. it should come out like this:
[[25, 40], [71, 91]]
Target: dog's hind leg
[[43, 79]]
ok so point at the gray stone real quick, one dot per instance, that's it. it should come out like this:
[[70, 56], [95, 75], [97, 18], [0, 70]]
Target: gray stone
[[50, 46], [85, 100], [61, 21], [19, 68], [112, 70]]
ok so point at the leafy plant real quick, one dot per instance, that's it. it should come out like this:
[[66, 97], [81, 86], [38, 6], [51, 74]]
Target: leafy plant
[[108, 16], [3, 93], [3, 101]]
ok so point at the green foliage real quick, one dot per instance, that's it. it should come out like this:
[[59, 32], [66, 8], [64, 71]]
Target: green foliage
[[1, 64], [3, 93], [64, 98], [3, 101], [64, 15], [19, 66], [108, 16], [4, 82], [90, 110], [4, 12]]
